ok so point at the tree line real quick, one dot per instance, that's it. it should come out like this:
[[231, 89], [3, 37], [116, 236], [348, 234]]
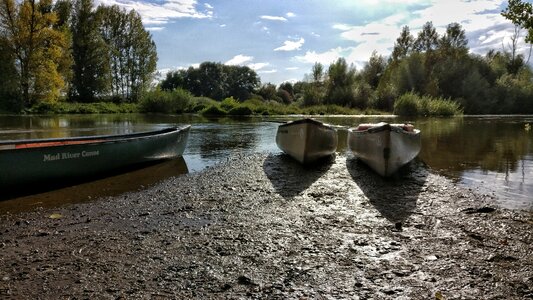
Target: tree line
[[214, 80], [72, 50], [426, 65]]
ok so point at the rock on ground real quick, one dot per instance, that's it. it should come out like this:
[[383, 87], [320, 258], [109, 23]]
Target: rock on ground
[[264, 226]]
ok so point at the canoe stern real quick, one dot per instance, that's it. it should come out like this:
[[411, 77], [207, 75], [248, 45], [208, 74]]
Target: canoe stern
[[384, 147], [307, 140]]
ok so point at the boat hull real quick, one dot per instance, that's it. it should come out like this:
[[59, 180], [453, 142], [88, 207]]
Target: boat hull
[[384, 148], [37, 161], [307, 140]]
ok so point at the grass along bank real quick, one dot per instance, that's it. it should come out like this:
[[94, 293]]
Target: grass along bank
[[180, 101], [83, 108], [411, 104]]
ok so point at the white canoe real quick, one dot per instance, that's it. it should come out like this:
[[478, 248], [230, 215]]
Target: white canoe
[[307, 140], [384, 147]]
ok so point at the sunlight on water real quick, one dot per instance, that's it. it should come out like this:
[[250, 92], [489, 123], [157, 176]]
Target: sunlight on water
[[511, 189], [493, 154]]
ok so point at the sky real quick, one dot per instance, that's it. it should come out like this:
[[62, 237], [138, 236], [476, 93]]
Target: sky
[[282, 39]]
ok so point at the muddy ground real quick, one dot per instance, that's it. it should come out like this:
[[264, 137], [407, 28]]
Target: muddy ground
[[264, 227]]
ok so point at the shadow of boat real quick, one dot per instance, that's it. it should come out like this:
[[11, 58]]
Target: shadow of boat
[[394, 197], [55, 194], [289, 177]]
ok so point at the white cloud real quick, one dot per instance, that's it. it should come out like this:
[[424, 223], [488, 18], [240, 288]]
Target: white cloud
[[208, 6], [155, 28], [291, 80], [342, 27], [482, 21], [273, 18], [292, 68], [475, 17], [291, 45], [472, 15], [239, 60], [268, 71], [257, 66], [375, 36], [290, 15], [324, 58], [163, 12], [243, 60]]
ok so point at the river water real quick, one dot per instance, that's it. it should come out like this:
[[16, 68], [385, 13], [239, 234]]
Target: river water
[[491, 153]]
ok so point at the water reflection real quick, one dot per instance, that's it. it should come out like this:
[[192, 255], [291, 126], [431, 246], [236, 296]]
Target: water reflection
[[494, 154], [135, 179], [210, 143], [491, 153]]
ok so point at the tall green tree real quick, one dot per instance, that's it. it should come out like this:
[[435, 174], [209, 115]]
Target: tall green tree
[[410, 74], [404, 45], [267, 91], [317, 72], [28, 29], [214, 80], [454, 41], [174, 79], [340, 87], [91, 75], [427, 39], [314, 91], [130, 49], [289, 88], [374, 69], [8, 78], [521, 14], [242, 81]]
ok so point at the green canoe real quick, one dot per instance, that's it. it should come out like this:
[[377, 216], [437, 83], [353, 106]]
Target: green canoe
[[56, 160]]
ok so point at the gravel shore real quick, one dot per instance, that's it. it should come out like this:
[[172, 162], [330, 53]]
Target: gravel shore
[[265, 227]]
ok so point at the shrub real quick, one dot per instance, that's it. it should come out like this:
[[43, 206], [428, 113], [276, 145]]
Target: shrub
[[213, 110], [229, 103], [407, 105], [442, 107], [411, 104], [240, 111], [198, 104], [175, 101], [156, 101]]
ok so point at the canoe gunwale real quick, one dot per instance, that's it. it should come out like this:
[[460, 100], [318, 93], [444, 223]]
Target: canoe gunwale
[[95, 139], [384, 127], [308, 121]]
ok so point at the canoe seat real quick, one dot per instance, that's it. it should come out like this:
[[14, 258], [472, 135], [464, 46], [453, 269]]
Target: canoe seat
[[363, 127], [406, 127]]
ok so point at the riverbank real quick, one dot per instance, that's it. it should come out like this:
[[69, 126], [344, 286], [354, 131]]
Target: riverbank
[[263, 226]]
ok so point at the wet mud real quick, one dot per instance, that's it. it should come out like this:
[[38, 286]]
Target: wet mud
[[265, 227]]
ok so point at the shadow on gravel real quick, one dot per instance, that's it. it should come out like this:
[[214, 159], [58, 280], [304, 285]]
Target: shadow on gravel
[[289, 177], [394, 197]]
